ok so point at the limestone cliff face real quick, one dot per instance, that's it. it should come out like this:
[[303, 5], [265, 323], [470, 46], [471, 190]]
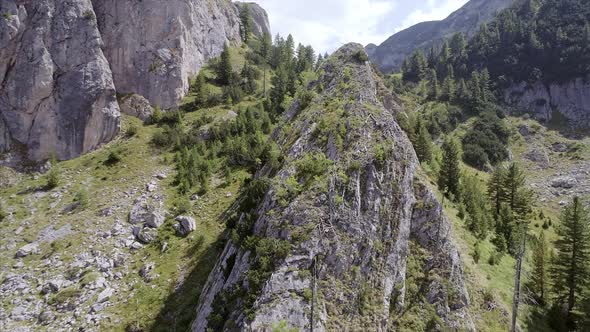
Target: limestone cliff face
[[56, 90], [154, 46], [57, 87], [545, 101], [260, 23], [351, 230]]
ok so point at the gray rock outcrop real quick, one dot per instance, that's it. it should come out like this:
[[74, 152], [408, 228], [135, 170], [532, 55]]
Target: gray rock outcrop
[[348, 233], [146, 213], [56, 92], [154, 46], [569, 102], [137, 106], [260, 22], [185, 225], [57, 87]]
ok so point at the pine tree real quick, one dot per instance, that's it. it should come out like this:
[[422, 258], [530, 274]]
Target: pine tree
[[458, 46], [496, 191], [449, 177], [463, 92], [245, 22], [415, 68], [277, 52], [423, 142], [448, 89], [249, 76], [319, 62], [434, 87], [486, 92], [224, 69], [478, 221], [570, 272], [201, 91], [289, 51], [279, 88], [514, 181], [265, 50], [539, 275]]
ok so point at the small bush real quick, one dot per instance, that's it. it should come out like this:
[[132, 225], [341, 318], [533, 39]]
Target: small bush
[[53, 178], [88, 14], [3, 213], [461, 213], [361, 56], [312, 165], [476, 254], [495, 258], [305, 99], [156, 116], [172, 118], [82, 199], [182, 205], [113, 158], [132, 130]]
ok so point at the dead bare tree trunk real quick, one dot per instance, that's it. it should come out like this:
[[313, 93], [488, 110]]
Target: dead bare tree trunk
[[517, 278]]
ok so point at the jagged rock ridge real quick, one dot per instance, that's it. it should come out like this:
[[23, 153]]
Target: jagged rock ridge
[[352, 228], [56, 90], [390, 55]]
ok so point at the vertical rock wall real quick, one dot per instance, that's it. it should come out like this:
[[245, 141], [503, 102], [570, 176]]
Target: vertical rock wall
[[154, 46], [56, 90]]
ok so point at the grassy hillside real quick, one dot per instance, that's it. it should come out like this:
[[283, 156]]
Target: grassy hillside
[[81, 227]]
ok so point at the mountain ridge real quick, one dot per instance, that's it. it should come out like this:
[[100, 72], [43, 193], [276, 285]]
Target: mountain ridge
[[390, 54]]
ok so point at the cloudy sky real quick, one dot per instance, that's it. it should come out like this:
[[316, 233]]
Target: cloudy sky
[[328, 24]]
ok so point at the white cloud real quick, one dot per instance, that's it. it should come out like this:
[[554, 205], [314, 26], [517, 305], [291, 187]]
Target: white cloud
[[328, 24], [434, 11]]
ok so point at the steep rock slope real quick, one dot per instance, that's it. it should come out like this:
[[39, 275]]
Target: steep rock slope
[[56, 90], [260, 23], [545, 102], [343, 215], [155, 46], [391, 53]]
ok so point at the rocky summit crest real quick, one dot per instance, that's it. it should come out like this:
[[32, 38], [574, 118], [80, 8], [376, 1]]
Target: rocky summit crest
[[333, 234]]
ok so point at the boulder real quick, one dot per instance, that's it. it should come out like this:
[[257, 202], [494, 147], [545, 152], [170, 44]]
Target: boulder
[[29, 249], [105, 295], [564, 182], [144, 213], [46, 317], [185, 225], [560, 147], [538, 156], [147, 272], [137, 106], [147, 235], [52, 286]]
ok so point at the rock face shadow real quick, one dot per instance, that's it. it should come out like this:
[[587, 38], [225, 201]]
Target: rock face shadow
[[179, 308]]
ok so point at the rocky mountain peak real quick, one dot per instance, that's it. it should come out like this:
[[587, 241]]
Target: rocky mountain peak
[[334, 226]]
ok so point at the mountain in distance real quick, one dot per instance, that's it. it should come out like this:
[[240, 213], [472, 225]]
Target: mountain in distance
[[391, 53]]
